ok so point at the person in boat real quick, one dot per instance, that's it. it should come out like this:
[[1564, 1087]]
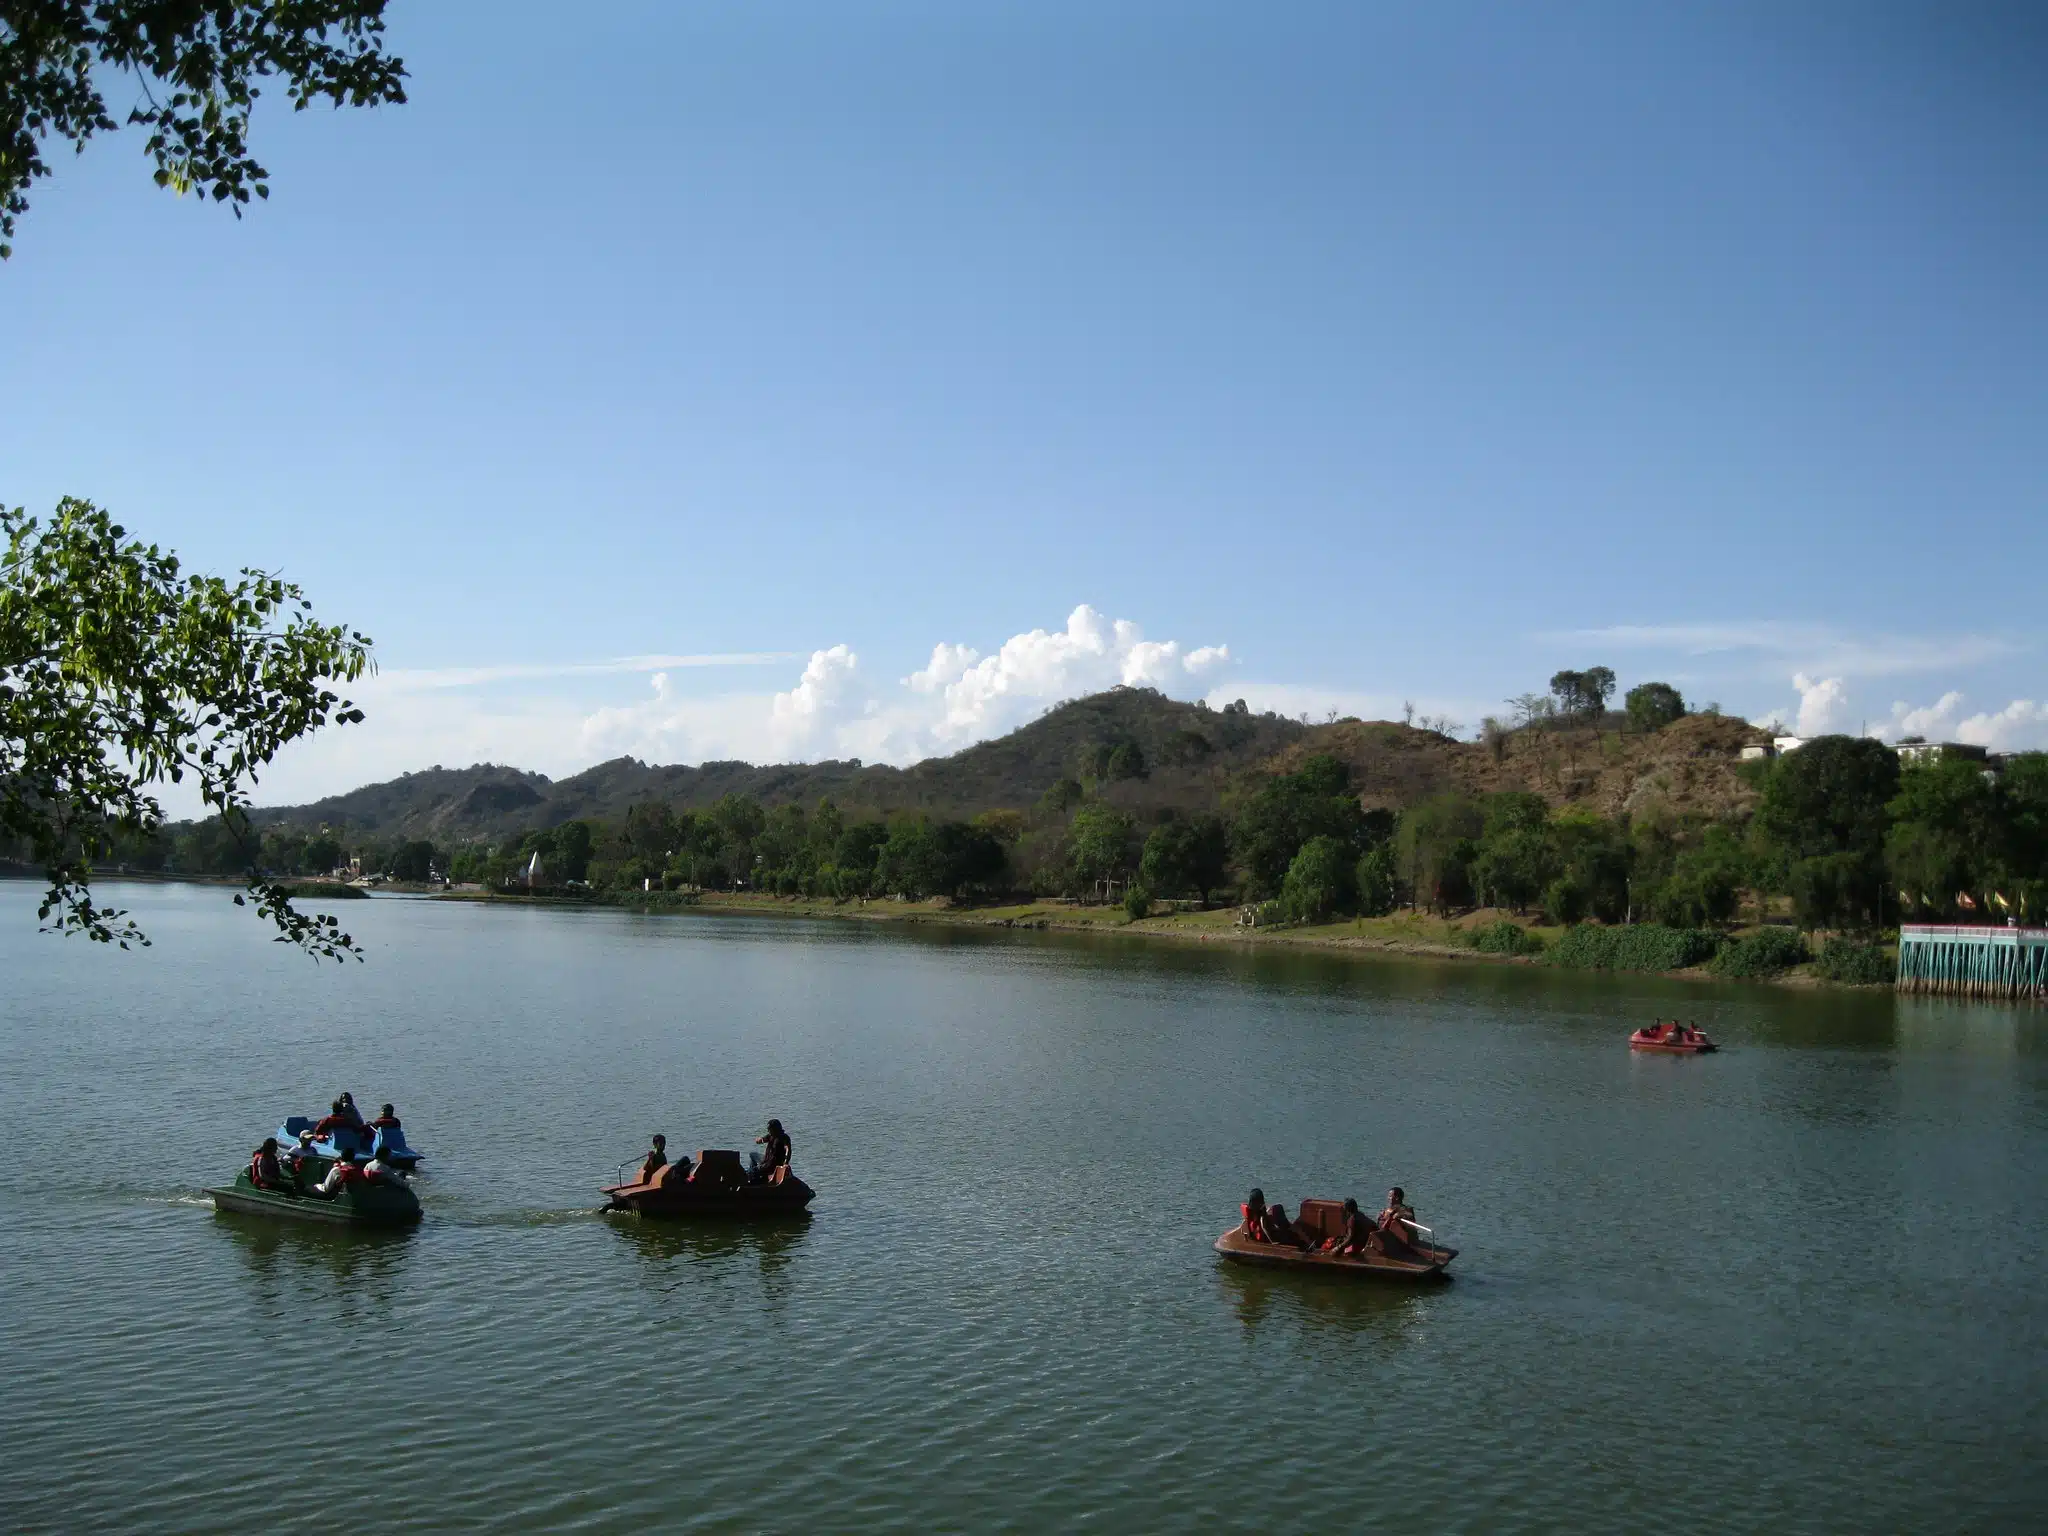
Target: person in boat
[[341, 1116], [265, 1172], [1274, 1227], [1354, 1232], [655, 1160], [377, 1171], [348, 1107], [1393, 1229], [387, 1120], [776, 1140], [340, 1177], [1254, 1210]]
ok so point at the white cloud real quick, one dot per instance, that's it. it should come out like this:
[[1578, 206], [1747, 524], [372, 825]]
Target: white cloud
[[834, 709], [2019, 727], [1823, 705]]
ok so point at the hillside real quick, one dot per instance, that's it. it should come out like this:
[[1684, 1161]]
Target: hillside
[[1193, 756], [1688, 766], [1191, 752]]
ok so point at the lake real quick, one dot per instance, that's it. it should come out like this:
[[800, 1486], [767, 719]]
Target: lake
[[1796, 1286]]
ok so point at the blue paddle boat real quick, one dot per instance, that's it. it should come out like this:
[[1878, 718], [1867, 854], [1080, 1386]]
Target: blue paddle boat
[[386, 1142]]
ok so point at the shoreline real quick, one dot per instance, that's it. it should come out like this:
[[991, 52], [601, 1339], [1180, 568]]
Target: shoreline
[[1357, 938]]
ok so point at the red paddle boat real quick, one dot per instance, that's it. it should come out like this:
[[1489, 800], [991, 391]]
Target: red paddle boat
[[1673, 1039], [715, 1186], [1322, 1219]]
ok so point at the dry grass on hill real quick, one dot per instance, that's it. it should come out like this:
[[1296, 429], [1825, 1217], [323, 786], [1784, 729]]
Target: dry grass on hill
[[1689, 767]]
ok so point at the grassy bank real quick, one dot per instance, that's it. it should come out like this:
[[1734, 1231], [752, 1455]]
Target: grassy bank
[[1404, 933]]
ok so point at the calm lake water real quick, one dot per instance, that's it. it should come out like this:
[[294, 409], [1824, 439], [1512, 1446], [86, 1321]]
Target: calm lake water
[[1798, 1286]]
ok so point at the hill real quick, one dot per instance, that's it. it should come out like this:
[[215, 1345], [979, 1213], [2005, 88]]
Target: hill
[[1688, 767], [1189, 752], [1187, 756]]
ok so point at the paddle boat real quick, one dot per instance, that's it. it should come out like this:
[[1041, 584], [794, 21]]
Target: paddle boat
[[387, 1143], [372, 1203], [1319, 1220], [714, 1185], [1673, 1039]]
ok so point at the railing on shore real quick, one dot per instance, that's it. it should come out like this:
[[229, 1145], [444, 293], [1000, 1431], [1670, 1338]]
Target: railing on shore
[[1974, 962]]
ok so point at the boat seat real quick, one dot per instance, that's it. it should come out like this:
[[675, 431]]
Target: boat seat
[[1319, 1220], [718, 1170]]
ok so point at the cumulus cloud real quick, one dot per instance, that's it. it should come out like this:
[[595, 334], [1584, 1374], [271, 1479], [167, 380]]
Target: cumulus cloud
[[1823, 705], [2021, 726], [834, 708]]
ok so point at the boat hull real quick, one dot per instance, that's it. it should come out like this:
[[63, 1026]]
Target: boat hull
[[1433, 1266], [716, 1191], [1666, 1048], [375, 1205]]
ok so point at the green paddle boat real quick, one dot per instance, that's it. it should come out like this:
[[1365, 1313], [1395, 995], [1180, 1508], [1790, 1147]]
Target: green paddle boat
[[370, 1204]]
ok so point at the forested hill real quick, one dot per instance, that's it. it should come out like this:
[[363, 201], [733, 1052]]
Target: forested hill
[[1140, 750], [1152, 749]]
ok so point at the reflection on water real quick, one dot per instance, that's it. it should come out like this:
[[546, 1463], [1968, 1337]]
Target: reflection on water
[[291, 1260], [1317, 1300], [772, 1243]]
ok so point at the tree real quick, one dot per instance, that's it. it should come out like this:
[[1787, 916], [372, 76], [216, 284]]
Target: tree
[[1098, 845], [1126, 760], [1313, 801], [1831, 796], [321, 854], [1652, 706], [1378, 880], [1436, 842], [413, 861], [1950, 833], [119, 672], [197, 67], [1186, 855], [1319, 881], [1582, 695]]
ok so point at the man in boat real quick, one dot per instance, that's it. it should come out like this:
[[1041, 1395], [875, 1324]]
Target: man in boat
[[377, 1171], [387, 1120], [1354, 1232], [776, 1140], [1391, 1231], [348, 1107], [265, 1172], [339, 1177], [655, 1160]]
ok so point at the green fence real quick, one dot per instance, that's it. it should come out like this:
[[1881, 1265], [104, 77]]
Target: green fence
[[1974, 962]]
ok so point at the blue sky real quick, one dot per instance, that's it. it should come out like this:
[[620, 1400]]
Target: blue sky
[[674, 382]]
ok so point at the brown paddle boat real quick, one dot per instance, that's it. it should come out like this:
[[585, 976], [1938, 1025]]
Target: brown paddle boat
[[715, 1185], [1321, 1219]]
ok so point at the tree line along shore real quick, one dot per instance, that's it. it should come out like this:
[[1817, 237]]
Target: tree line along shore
[[1808, 863]]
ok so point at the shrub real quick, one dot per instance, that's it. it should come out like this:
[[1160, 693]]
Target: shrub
[[1137, 902], [1318, 882], [1643, 947], [1505, 938], [1859, 965], [1763, 953]]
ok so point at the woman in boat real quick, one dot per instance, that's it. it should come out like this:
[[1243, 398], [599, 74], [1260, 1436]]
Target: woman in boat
[[655, 1160], [776, 1140], [264, 1170], [1391, 1231], [1254, 1210], [347, 1103]]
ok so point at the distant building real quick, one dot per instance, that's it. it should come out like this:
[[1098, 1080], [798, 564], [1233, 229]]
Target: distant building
[[1756, 752], [1914, 750]]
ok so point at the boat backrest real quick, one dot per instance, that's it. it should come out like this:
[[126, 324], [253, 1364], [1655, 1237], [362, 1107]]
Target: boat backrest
[[1320, 1219], [719, 1170]]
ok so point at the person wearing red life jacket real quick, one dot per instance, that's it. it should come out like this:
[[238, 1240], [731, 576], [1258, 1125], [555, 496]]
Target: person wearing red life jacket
[[1254, 1210], [387, 1120], [264, 1170], [1392, 1230], [1354, 1231], [340, 1177], [334, 1120]]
